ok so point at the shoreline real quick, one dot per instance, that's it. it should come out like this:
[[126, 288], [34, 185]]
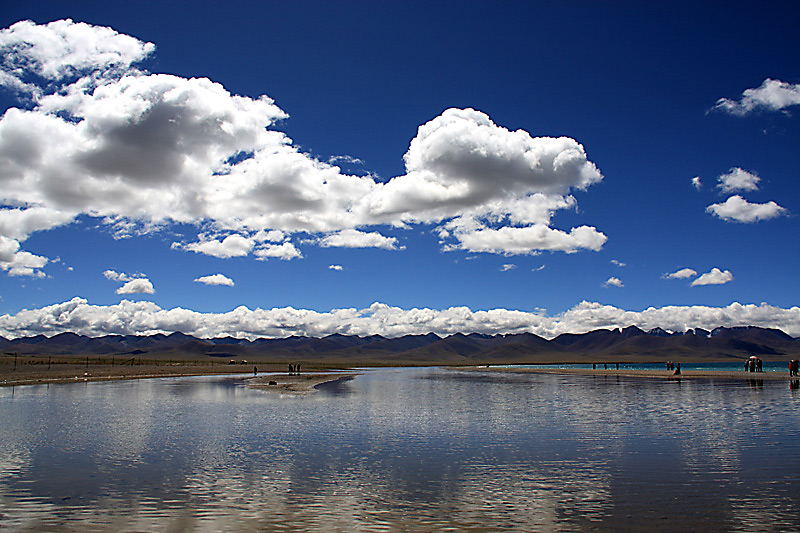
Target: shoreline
[[305, 382], [78, 373], [653, 374]]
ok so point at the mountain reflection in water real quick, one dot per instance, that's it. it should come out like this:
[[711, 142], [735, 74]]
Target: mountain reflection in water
[[402, 449]]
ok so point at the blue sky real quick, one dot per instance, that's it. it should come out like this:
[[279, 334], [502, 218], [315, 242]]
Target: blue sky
[[439, 158]]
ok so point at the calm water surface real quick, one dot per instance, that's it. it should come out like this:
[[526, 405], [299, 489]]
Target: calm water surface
[[402, 449]]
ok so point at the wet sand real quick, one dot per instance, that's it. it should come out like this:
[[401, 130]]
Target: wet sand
[[657, 374]]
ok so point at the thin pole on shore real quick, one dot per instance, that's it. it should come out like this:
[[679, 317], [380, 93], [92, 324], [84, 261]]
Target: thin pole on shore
[[87, 362], [15, 366]]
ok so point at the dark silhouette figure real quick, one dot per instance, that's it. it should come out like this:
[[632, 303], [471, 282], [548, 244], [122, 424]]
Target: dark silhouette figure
[[677, 369], [255, 370]]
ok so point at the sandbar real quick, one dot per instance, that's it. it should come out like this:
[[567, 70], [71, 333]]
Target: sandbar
[[297, 384]]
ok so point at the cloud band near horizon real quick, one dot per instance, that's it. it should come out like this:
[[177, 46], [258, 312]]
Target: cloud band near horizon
[[147, 318]]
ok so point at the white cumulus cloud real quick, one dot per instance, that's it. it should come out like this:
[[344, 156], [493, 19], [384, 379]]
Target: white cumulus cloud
[[137, 286], [95, 136], [230, 246], [336, 267], [284, 251], [215, 279], [613, 282], [738, 179], [697, 183], [738, 209], [352, 238], [684, 273], [772, 95], [714, 277]]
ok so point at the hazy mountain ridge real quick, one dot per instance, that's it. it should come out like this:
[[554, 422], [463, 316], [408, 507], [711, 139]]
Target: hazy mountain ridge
[[628, 344]]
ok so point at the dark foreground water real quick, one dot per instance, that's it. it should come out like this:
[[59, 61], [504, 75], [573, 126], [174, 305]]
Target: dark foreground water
[[410, 449]]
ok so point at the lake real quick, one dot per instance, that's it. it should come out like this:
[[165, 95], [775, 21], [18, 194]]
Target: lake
[[402, 449]]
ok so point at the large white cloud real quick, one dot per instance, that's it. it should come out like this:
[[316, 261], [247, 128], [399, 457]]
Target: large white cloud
[[738, 209], [95, 136], [142, 317], [772, 95]]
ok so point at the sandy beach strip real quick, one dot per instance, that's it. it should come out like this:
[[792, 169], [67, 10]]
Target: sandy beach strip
[[653, 374]]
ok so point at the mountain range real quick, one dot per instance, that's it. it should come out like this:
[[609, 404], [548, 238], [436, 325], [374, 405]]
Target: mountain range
[[630, 344]]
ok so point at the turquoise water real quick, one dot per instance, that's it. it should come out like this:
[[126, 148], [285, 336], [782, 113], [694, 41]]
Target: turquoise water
[[402, 450]]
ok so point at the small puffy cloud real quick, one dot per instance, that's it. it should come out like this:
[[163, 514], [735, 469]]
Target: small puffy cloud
[[738, 209], [738, 179], [684, 273], [613, 282], [772, 95], [618, 263], [230, 246], [284, 251], [137, 286], [336, 267], [215, 279], [538, 269], [714, 277], [697, 183], [352, 238], [508, 266]]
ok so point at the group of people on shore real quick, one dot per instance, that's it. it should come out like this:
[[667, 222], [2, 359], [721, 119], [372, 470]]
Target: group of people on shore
[[754, 364], [794, 367]]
